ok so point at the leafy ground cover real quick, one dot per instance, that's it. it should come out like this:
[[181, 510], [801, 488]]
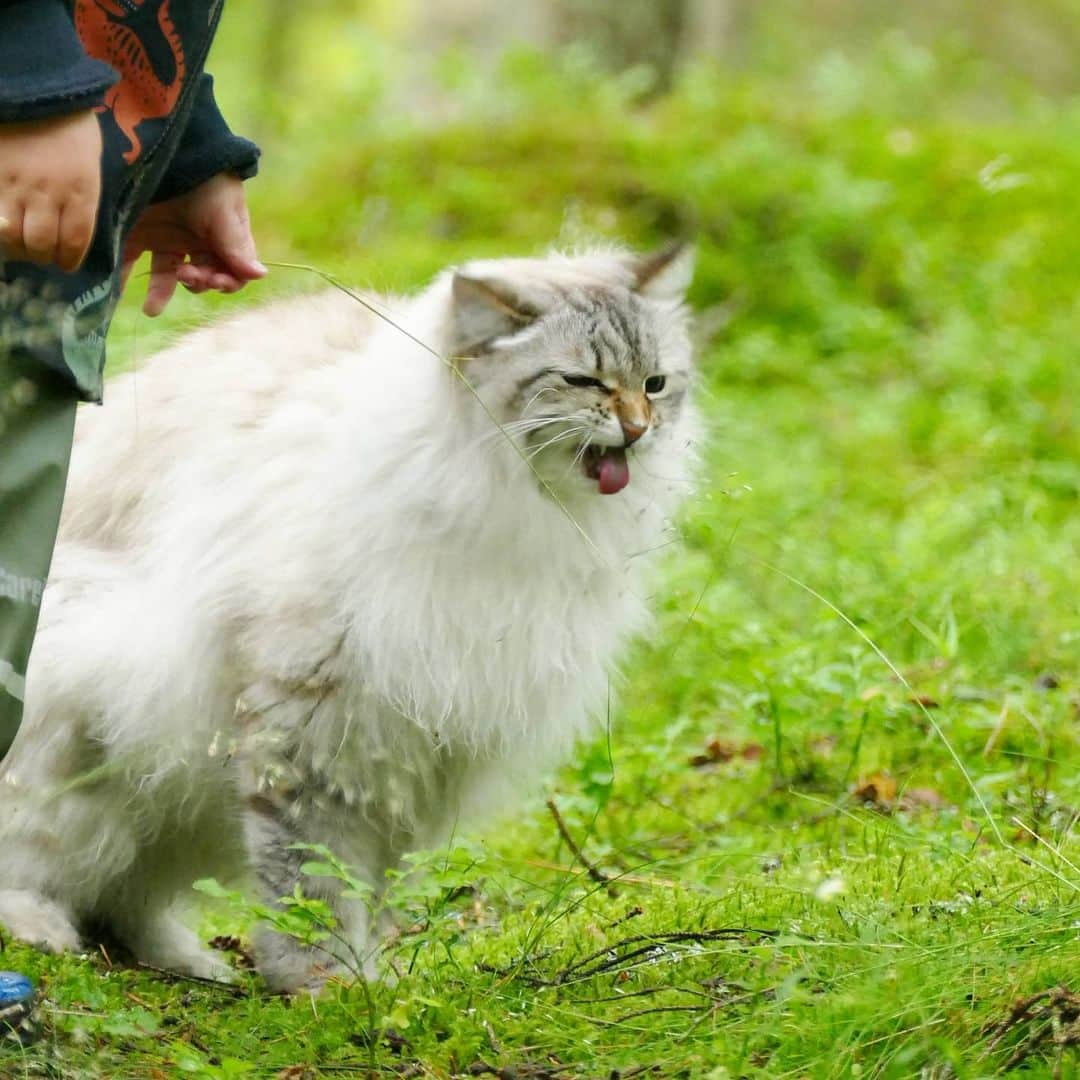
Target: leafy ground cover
[[830, 828]]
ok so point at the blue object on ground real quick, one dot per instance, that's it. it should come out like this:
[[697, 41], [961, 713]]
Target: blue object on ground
[[16, 1006], [14, 988]]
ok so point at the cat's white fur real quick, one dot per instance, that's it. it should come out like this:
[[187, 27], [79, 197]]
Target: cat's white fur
[[303, 579]]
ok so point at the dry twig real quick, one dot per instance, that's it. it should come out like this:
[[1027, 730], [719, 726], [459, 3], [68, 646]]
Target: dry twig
[[594, 872], [179, 976], [1053, 1017]]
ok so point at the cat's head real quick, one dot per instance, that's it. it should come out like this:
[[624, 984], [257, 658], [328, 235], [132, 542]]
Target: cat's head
[[585, 360]]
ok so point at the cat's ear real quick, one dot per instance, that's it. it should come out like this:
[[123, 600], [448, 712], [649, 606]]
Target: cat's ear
[[665, 274], [485, 309]]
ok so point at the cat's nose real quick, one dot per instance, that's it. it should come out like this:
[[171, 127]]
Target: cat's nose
[[632, 430], [634, 414]]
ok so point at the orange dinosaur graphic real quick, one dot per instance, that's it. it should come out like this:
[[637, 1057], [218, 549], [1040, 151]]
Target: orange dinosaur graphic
[[138, 38]]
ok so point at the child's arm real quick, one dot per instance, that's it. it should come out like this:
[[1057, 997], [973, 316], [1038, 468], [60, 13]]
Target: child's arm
[[197, 229], [50, 143], [208, 147]]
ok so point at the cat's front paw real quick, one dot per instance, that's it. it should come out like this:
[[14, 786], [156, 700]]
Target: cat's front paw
[[301, 975], [291, 968], [38, 921], [205, 964], [166, 942]]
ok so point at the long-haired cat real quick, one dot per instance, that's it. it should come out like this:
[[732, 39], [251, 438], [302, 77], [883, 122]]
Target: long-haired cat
[[313, 576]]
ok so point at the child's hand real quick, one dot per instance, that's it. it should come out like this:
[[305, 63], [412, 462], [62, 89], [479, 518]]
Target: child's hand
[[50, 183], [201, 240]]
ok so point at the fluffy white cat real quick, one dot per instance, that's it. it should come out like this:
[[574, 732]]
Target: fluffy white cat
[[305, 579]]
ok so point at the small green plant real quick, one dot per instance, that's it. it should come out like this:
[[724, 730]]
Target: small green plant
[[420, 895]]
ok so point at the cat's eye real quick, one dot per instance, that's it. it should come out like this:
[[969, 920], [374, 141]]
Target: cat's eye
[[655, 384], [584, 380]]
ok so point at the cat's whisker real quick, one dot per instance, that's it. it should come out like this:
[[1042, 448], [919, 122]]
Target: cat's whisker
[[549, 443], [580, 452], [528, 423], [576, 459], [576, 428], [543, 390], [519, 427], [572, 433], [522, 426]]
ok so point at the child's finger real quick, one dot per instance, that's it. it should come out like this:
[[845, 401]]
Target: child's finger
[[40, 228], [76, 230], [11, 226], [198, 283], [225, 283], [205, 272], [235, 246], [194, 275], [163, 268]]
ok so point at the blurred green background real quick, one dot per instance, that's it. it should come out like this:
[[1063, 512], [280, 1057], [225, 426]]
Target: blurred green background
[[852, 169], [400, 134]]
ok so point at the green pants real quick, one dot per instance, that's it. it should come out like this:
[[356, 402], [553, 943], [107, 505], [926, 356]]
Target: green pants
[[37, 419]]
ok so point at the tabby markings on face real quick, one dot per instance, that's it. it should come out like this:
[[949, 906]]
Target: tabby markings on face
[[583, 358], [609, 388]]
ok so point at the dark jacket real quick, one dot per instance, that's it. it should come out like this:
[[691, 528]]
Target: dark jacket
[[140, 64]]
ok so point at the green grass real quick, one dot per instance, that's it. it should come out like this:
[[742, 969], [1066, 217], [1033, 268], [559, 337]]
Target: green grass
[[877, 582]]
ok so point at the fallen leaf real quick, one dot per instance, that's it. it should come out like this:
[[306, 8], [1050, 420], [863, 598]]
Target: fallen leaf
[[719, 751], [716, 751], [1048, 1019], [229, 943], [877, 790]]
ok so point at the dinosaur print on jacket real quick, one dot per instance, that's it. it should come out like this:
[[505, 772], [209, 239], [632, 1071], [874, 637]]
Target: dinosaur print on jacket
[[138, 38]]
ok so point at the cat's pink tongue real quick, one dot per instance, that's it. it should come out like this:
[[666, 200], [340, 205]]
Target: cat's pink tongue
[[613, 473]]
